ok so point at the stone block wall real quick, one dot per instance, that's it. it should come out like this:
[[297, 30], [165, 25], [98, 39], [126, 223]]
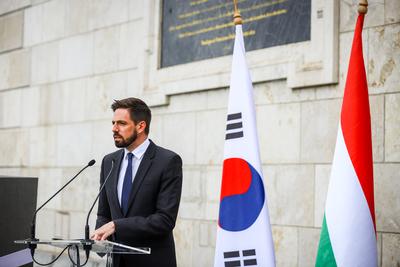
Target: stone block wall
[[62, 62]]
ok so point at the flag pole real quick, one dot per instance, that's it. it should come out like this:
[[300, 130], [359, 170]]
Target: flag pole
[[237, 19], [363, 7]]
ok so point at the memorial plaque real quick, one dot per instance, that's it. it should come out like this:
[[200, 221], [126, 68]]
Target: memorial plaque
[[194, 30]]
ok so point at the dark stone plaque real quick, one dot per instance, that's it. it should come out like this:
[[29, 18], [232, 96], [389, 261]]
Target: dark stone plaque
[[194, 30]]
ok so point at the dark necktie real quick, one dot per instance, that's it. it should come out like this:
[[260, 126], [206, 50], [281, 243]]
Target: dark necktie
[[127, 186]]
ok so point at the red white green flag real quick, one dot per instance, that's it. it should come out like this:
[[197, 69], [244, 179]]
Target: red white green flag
[[348, 235]]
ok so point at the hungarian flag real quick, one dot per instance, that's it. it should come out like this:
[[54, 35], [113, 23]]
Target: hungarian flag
[[244, 232], [348, 235]]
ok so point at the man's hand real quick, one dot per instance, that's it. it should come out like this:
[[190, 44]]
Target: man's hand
[[104, 232]]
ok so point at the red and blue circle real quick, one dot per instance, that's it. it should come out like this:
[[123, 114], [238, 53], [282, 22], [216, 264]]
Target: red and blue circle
[[242, 195]]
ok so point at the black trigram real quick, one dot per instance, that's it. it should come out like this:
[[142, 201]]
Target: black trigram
[[233, 258], [234, 126]]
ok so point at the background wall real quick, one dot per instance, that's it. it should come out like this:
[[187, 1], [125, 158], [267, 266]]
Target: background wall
[[62, 62]]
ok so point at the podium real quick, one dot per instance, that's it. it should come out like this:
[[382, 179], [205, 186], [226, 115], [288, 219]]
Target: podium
[[106, 247]]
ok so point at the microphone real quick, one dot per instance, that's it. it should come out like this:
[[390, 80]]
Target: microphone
[[88, 243], [33, 225]]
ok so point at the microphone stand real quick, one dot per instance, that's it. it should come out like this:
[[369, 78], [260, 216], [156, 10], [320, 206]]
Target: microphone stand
[[87, 246], [32, 246]]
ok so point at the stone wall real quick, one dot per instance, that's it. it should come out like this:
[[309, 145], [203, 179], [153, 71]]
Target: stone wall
[[63, 61]]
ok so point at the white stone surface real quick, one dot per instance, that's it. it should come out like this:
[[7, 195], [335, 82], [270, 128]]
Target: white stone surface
[[80, 194], [180, 134], [135, 10], [73, 101], [135, 83], [210, 136], [77, 224], [387, 198], [279, 132], [204, 257], [77, 16], [50, 180], [14, 147], [19, 172], [107, 12], [286, 245], [308, 246], [278, 92], [384, 59], [192, 184], [217, 99], [101, 92], [11, 112], [61, 227], [11, 5], [191, 210], [322, 177], [106, 49], [188, 102], [156, 129], [377, 106], [190, 251], [130, 45], [348, 14], [11, 31], [390, 249], [45, 63], [290, 194], [184, 234], [43, 146], [37, 28], [392, 127], [33, 25], [15, 69], [213, 180], [53, 11], [45, 226], [319, 126], [50, 111], [211, 210], [73, 144], [30, 106], [75, 57], [102, 140], [392, 11]]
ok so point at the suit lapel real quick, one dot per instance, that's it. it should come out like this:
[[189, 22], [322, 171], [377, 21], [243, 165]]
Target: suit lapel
[[142, 171], [114, 182]]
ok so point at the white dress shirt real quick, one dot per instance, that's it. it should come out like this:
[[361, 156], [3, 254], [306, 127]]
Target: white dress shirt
[[136, 159]]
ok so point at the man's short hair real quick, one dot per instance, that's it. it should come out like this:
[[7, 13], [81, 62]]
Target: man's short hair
[[138, 110]]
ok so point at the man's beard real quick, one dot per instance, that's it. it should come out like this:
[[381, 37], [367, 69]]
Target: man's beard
[[125, 142]]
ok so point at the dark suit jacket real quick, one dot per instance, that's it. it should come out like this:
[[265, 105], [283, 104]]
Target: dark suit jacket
[[153, 206]]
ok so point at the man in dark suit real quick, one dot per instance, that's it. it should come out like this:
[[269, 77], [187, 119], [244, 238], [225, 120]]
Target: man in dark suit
[[139, 204]]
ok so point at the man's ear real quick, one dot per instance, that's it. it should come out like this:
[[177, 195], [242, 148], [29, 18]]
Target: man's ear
[[141, 126]]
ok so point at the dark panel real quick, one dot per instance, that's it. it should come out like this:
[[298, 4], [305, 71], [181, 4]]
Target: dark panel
[[194, 30], [17, 205], [249, 252], [232, 126], [234, 116], [233, 135], [231, 254]]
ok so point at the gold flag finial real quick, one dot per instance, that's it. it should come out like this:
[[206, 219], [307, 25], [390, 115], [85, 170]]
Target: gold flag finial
[[237, 19], [362, 6]]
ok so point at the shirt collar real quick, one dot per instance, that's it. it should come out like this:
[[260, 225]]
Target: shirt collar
[[139, 151]]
